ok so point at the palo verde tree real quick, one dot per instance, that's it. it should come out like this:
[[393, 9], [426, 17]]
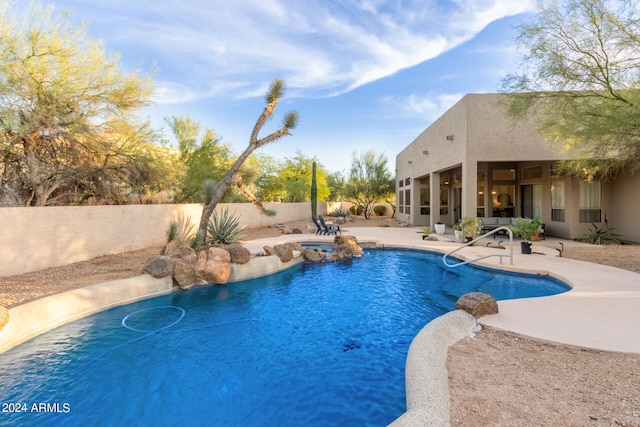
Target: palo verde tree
[[296, 176], [369, 180], [289, 121], [67, 114], [580, 80], [202, 156]]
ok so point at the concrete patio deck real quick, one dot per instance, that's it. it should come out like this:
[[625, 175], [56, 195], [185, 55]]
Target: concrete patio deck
[[599, 312]]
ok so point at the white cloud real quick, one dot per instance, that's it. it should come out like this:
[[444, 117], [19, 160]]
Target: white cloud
[[428, 106], [320, 47]]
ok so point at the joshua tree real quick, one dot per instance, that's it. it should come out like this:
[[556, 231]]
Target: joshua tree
[[275, 92]]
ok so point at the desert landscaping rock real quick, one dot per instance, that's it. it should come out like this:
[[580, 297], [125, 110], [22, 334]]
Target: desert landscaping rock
[[284, 252], [184, 272], [294, 230], [312, 255], [238, 253], [217, 267], [477, 304], [340, 252], [158, 267], [295, 246], [350, 241]]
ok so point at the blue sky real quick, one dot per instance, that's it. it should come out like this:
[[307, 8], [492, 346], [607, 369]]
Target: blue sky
[[360, 73]]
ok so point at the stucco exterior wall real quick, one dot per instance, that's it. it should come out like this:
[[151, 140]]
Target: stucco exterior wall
[[623, 207], [493, 136], [431, 150], [475, 136], [35, 238]]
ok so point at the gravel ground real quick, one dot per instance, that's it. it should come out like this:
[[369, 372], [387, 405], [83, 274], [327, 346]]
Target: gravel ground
[[495, 379]]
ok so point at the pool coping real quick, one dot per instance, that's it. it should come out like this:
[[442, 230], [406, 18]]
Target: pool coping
[[596, 313], [28, 320], [427, 381]]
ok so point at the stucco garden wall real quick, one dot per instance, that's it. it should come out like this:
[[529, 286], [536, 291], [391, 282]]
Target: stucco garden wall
[[35, 238]]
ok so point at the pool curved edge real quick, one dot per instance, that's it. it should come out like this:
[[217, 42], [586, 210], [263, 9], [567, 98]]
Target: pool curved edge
[[426, 374], [36, 317], [33, 318]]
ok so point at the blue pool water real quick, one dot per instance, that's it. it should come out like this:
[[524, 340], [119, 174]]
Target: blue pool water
[[317, 345]]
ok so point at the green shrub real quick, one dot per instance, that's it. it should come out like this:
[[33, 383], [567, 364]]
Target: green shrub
[[224, 228], [356, 210], [379, 210], [470, 226], [524, 227]]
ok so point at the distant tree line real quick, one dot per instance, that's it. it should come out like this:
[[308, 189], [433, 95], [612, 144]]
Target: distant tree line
[[70, 132]]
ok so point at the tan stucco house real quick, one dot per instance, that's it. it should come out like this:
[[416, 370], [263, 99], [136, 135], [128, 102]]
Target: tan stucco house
[[476, 161]]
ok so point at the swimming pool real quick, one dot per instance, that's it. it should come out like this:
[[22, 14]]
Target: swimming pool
[[314, 345]]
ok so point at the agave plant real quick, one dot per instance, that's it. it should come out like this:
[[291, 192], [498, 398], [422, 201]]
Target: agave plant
[[224, 228]]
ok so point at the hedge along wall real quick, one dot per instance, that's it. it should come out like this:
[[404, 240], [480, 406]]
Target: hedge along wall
[[35, 238]]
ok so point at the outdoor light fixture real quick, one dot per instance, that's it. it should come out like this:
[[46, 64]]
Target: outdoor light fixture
[[449, 137]]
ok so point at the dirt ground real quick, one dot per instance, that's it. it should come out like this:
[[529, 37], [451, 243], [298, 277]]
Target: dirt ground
[[496, 379]]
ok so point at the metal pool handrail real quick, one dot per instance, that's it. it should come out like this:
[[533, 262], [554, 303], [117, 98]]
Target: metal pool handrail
[[492, 232]]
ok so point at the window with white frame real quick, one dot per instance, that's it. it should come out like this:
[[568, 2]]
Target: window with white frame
[[407, 201], [590, 201], [557, 201]]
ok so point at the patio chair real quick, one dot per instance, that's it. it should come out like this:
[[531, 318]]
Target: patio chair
[[329, 228], [319, 229]]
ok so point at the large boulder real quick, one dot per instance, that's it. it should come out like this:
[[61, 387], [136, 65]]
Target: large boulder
[[295, 246], [312, 255], [218, 265], [159, 266], [282, 251], [477, 304], [238, 253], [199, 268], [213, 266], [184, 271], [351, 241], [340, 252], [4, 316]]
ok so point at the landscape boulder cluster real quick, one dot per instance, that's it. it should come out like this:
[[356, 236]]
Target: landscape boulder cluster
[[214, 264]]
